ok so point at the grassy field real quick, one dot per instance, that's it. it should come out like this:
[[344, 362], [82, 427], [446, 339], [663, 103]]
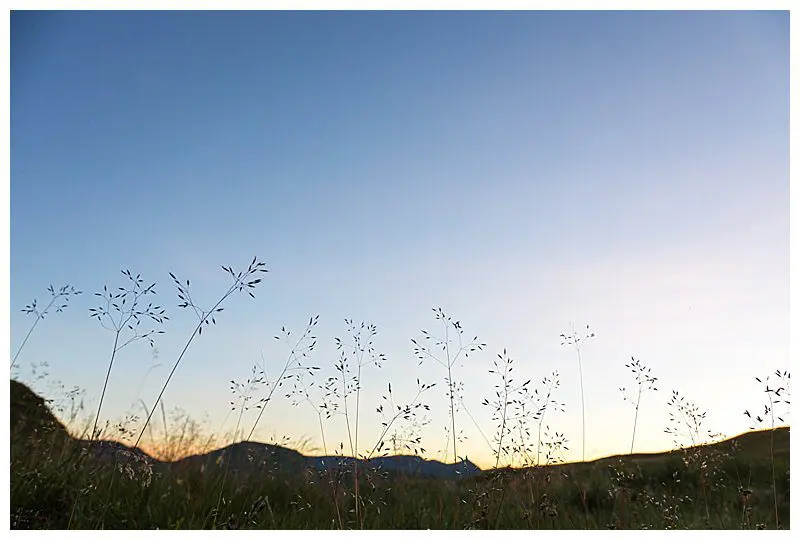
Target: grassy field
[[59, 482], [89, 480]]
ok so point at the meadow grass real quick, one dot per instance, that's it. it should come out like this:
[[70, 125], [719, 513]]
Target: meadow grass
[[55, 485], [64, 478]]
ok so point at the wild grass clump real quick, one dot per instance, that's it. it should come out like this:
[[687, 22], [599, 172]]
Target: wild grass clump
[[49, 486]]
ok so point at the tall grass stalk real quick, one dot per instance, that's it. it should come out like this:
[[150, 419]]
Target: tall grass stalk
[[122, 315], [778, 394], [463, 407], [550, 384], [353, 357], [687, 420], [506, 395], [405, 412], [259, 376], [292, 369], [574, 341], [243, 392], [644, 382], [64, 292], [451, 356], [301, 393], [243, 281]]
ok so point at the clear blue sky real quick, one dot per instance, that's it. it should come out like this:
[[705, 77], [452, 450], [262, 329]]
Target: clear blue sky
[[522, 171]]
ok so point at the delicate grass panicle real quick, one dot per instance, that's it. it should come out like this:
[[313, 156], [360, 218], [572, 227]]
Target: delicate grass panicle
[[545, 402], [63, 294], [687, 425], [243, 281], [122, 312], [355, 353], [776, 390], [509, 411], [446, 351], [644, 383], [305, 389], [574, 340], [126, 304], [293, 368], [686, 422], [405, 438]]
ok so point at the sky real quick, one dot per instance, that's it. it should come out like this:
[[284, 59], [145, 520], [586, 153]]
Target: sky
[[525, 172]]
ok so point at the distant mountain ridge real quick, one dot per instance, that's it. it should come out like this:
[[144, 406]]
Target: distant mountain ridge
[[32, 420], [250, 457], [31, 416]]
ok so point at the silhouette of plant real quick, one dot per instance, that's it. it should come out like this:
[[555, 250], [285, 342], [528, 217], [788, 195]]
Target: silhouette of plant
[[154, 364], [574, 341], [507, 396], [778, 395], [555, 444], [529, 407], [391, 412], [242, 393], [354, 354], [303, 387], [64, 293], [687, 421], [461, 406], [122, 313], [292, 369], [545, 401], [644, 382], [451, 355], [243, 281], [302, 391], [666, 492]]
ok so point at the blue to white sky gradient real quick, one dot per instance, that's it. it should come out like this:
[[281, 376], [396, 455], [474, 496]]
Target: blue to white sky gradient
[[522, 171]]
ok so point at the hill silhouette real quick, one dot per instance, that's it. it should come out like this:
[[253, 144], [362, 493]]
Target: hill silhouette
[[738, 482], [30, 416]]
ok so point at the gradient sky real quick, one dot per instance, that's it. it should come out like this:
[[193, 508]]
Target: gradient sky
[[522, 171]]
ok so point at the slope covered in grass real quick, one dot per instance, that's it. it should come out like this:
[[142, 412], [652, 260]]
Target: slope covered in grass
[[59, 482]]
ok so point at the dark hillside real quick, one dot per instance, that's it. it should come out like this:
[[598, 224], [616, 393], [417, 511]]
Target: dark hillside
[[30, 414], [59, 482]]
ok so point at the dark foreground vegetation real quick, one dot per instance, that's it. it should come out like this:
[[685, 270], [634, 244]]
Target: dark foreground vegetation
[[59, 482]]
